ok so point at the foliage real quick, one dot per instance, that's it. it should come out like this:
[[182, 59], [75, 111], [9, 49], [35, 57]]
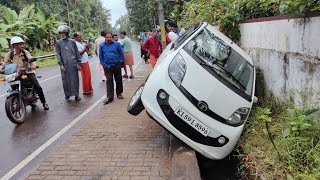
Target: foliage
[[33, 27], [227, 14], [295, 133], [37, 23], [123, 24], [142, 14], [193, 12], [82, 13], [47, 63]]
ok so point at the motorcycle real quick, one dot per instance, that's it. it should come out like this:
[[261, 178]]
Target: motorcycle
[[21, 94]]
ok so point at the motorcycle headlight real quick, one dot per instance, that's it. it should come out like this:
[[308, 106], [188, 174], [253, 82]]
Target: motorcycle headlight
[[177, 69], [239, 116], [10, 77]]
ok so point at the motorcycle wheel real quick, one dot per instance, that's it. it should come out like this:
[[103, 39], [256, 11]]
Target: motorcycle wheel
[[15, 115]]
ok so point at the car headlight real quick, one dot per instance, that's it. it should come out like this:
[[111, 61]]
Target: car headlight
[[177, 69], [239, 116], [10, 77]]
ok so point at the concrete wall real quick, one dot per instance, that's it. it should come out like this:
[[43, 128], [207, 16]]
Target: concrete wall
[[288, 52]]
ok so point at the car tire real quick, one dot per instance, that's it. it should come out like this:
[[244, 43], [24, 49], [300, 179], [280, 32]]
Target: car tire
[[135, 105]]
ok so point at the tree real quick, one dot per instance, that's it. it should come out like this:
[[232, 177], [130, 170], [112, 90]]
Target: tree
[[143, 12], [123, 24]]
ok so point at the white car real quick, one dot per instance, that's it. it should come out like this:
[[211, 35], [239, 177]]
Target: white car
[[201, 90]]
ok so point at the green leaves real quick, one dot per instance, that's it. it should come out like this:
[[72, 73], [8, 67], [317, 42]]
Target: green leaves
[[227, 14], [264, 114], [34, 28], [4, 43]]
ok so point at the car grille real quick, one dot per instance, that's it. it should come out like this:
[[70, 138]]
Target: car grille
[[184, 128]]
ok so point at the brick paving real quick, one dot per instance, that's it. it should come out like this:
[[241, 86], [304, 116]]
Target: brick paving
[[112, 145]]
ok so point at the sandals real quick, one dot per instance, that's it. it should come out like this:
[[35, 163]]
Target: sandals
[[125, 76], [131, 77]]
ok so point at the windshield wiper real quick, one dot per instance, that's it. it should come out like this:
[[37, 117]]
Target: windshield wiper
[[224, 72], [213, 68]]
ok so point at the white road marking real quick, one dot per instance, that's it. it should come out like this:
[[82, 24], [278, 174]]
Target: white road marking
[[49, 79], [23, 163]]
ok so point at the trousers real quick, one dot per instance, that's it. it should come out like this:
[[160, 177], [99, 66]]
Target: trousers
[[113, 72]]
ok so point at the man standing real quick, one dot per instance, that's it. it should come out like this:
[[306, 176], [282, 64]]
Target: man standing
[[21, 56], [171, 36], [97, 42], [155, 47], [69, 60], [115, 37], [128, 55], [85, 67], [111, 58], [144, 38]]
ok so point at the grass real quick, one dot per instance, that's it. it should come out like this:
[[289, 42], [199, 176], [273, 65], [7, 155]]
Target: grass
[[296, 135], [47, 63]]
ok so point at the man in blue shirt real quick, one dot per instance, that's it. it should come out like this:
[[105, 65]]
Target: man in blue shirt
[[111, 58]]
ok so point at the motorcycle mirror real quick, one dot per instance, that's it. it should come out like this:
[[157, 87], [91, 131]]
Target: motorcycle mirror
[[33, 59]]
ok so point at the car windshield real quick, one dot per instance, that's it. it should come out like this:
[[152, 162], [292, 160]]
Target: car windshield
[[186, 35], [223, 60]]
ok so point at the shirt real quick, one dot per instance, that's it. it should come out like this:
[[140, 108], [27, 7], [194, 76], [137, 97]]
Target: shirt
[[67, 52], [144, 37], [154, 45], [84, 57], [18, 59], [110, 54], [97, 43], [126, 44]]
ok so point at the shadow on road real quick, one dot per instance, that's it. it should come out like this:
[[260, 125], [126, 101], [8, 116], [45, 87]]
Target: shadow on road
[[225, 169]]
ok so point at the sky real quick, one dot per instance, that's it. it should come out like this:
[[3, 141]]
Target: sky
[[116, 7]]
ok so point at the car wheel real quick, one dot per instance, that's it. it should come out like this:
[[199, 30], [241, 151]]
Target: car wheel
[[135, 105]]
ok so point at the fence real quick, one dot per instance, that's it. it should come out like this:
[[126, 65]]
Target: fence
[[42, 58]]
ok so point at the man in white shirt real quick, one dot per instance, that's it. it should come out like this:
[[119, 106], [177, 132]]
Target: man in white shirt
[[85, 67], [98, 41]]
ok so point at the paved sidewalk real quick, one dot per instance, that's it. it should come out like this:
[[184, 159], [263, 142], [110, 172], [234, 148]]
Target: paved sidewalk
[[112, 145]]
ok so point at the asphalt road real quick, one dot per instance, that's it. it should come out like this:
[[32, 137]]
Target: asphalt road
[[19, 141]]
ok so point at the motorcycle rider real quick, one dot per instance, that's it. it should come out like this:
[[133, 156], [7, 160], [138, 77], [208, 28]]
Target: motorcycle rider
[[21, 56]]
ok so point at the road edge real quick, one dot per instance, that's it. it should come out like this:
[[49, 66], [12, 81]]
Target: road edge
[[184, 163]]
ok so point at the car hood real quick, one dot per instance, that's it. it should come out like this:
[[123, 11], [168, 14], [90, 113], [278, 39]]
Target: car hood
[[206, 88]]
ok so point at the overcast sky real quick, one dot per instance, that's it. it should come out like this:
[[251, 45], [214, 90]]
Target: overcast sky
[[116, 7]]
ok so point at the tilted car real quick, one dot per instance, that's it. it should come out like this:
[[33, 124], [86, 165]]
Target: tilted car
[[201, 90]]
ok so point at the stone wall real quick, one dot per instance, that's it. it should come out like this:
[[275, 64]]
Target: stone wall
[[288, 52]]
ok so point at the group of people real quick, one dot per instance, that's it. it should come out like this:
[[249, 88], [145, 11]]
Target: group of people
[[151, 46], [113, 56], [72, 56]]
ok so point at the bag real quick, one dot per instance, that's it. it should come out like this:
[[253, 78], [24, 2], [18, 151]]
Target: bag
[[12, 55]]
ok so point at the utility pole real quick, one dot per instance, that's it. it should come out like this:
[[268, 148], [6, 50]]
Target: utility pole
[[68, 13], [161, 22]]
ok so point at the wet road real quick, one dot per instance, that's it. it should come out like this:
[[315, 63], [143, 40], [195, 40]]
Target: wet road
[[19, 141]]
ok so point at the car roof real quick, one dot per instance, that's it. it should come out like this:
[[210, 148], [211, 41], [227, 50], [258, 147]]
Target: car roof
[[228, 41]]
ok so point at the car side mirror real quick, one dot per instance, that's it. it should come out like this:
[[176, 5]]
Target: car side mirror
[[33, 59], [255, 100]]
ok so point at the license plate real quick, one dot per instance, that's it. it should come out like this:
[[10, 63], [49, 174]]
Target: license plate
[[193, 122]]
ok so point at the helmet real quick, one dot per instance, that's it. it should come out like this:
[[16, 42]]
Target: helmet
[[16, 40], [63, 29]]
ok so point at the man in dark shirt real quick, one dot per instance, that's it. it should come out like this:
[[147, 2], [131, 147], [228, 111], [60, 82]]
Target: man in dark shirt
[[111, 58]]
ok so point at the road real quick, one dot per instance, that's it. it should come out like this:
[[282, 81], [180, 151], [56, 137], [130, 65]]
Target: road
[[18, 141]]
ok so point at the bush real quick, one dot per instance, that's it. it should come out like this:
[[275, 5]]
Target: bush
[[227, 14], [296, 137]]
